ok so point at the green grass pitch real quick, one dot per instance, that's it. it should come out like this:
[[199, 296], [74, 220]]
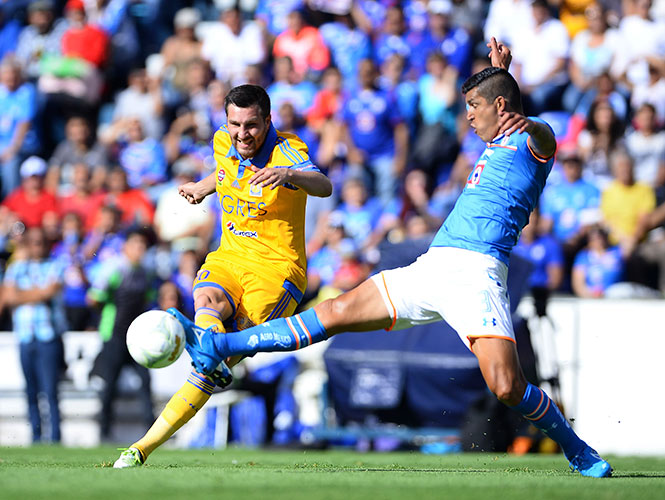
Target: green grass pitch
[[55, 473]]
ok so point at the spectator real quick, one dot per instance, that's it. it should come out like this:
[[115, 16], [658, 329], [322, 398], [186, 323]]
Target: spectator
[[78, 148], [652, 91], [83, 199], [573, 14], [375, 133], [601, 136], [324, 264], [231, 45], [40, 39], [184, 226], [436, 144], [133, 205], [591, 54], [168, 295], [646, 145], [18, 127], [9, 33], [640, 39], [143, 158], [103, 242], [114, 18], [69, 254], [84, 52], [545, 253], [540, 56], [304, 45], [123, 289], [142, 99], [289, 87], [625, 204], [273, 15], [360, 213], [403, 91], [31, 203], [392, 39], [348, 46], [597, 267], [31, 288], [568, 208], [181, 48], [652, 251], [604, 89], [507, 19], [327, 101], [188, 265], [443, 37]]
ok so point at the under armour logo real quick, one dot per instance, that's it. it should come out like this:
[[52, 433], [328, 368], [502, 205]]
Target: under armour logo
[[487, 322]]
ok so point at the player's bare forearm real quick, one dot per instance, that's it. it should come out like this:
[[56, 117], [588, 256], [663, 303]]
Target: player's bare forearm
[[314, 183], [195, 192]]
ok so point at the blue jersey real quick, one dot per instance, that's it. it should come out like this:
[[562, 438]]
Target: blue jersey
[[500, 193]]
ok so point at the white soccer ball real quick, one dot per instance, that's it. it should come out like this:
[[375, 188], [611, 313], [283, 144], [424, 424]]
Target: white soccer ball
[[155, 339]]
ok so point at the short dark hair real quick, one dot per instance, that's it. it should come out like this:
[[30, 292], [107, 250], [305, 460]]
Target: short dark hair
[[246, 96], [494, 82]]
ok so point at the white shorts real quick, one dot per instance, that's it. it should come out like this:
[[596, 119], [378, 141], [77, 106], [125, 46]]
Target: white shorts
[[467, 289]]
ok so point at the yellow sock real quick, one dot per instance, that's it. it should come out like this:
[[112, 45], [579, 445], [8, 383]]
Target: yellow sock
[[189, 399], [184, 404], [205, 317]]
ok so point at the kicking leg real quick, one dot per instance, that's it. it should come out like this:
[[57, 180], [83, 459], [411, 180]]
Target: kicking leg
[[212, 307], [361, 309], [501, 370]]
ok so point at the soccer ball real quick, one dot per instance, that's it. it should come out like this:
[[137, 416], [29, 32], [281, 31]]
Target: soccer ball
[[155, 339]]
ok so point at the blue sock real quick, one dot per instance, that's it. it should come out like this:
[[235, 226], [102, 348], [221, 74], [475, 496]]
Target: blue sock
[[541, 411], [282, 334]]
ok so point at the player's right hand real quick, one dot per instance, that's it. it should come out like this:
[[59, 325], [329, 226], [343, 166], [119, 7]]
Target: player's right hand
[[190, 193]]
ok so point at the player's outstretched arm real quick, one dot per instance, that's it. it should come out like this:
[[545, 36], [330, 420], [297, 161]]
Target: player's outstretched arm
[[314, 183], [195, 192], [541, 138]]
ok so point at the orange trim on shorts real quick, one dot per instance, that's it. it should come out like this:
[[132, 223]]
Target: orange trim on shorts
[[472, 337], [392, 325]]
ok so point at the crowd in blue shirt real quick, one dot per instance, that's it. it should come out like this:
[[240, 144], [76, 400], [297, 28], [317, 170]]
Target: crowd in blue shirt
[[373, 87]]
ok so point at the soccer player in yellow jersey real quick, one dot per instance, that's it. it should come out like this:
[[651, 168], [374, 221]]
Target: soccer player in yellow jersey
[[258, 272]]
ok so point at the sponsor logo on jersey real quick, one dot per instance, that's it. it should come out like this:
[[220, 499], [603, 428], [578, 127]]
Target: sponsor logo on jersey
[[253, 342], [236, 232], [235, 206], [255, 190], [235, 184], [474, 178], [220, 175]]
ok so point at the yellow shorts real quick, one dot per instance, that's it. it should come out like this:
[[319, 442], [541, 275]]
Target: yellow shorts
[[254, 296]]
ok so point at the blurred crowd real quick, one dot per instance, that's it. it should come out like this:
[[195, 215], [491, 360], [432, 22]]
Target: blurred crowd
[[107, 105]]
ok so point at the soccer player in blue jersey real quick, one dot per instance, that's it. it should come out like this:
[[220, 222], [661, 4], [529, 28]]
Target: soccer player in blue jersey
[[461, 278]]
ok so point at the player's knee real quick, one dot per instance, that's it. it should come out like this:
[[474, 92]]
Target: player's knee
[[507, 388], [202, 300]]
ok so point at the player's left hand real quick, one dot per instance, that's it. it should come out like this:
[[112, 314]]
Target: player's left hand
[[511, 122], [273, 177]]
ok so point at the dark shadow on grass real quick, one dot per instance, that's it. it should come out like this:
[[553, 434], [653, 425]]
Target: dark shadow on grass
[[637, 475]]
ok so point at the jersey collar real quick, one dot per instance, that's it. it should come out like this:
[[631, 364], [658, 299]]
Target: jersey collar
[[261, 158]]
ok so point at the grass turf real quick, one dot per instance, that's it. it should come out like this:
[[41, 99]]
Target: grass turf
[[55, 472]]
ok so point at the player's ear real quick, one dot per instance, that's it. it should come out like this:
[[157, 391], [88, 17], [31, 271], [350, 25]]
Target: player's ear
[[500, 103]]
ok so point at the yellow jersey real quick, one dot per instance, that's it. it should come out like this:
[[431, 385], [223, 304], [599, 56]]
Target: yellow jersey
[[263, 228]]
